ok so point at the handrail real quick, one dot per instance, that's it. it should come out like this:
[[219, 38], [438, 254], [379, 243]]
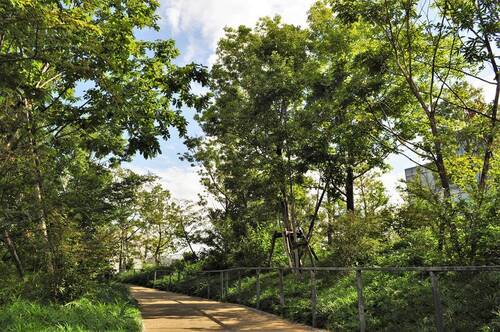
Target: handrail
[[358, 268], [431, 270], [366, 268]]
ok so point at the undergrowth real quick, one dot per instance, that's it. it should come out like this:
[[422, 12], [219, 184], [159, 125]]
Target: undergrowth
[[105, 307], [393, 301]]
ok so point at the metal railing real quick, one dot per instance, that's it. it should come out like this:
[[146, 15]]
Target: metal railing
[[224, 276]]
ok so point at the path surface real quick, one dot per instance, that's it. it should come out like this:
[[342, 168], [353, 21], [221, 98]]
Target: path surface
[[166, 311]]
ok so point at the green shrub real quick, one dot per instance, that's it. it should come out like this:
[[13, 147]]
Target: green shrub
[[104, 308]]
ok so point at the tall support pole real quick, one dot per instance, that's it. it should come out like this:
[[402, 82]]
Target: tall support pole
[[438, 308], [282, 292], [239, 286], [361, 306], [258, 288], [313, 297], [222, 285]]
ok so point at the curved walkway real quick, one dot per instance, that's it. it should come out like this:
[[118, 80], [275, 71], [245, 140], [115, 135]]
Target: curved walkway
[[166, 311]]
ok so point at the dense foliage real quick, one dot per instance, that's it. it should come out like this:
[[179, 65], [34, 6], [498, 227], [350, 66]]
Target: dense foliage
[[302, 120], [298, 126], [103, 308], [79, 93]]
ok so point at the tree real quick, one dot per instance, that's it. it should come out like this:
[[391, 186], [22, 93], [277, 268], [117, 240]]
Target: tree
[[75, 78], [429, 51], [476, 24], [188, 221], [347, 72], [157, 214], [258, 87]]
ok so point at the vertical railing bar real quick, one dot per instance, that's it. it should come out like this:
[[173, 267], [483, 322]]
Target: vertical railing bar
[[239, 286], [208, 286], [282, 292], [361, 306], [227, 283], [258, 288], [222, 286], [313, 297], [438, 308]]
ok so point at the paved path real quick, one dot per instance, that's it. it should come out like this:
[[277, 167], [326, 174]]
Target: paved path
[[166, 311]]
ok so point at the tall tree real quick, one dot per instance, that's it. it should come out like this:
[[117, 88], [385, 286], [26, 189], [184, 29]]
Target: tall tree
[[158, 213], [75, 77], [434, 48], [258, 89], [347, 72]]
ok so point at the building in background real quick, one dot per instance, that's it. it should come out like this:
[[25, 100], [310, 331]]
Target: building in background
[[429, 179]]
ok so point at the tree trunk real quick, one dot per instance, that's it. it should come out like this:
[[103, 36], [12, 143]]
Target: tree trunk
[[126, 256], [158, 248], [329, 227], [445, 185], [286, 224], [186, 237], [438, 159], [42, 209], [13, 253], [349, 189], [120, 257], [491, 136], [146, 249], [292, 219], [294, 237]]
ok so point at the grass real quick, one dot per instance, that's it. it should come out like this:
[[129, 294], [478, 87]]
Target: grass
[[393, 301], [105, 308]]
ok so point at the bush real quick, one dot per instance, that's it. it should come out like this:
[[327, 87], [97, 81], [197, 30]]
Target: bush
[[104, 308]]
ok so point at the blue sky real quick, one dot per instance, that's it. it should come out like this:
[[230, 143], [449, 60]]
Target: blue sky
[[196, 26]]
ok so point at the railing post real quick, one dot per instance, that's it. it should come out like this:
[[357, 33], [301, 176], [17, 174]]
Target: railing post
[[222, 286], [208, 286], [154, 279], [438, 308], [361, 306], [227, 283], [313, 297], [258, 288], [282, 292], [239, 286]]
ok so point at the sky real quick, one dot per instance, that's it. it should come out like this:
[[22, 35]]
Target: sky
[[196, 27]]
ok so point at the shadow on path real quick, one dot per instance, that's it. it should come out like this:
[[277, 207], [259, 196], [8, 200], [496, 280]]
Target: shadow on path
[[166, 311]]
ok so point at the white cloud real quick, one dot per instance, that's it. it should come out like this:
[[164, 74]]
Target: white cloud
[[391, 181], [182, 182], [202, 22]]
